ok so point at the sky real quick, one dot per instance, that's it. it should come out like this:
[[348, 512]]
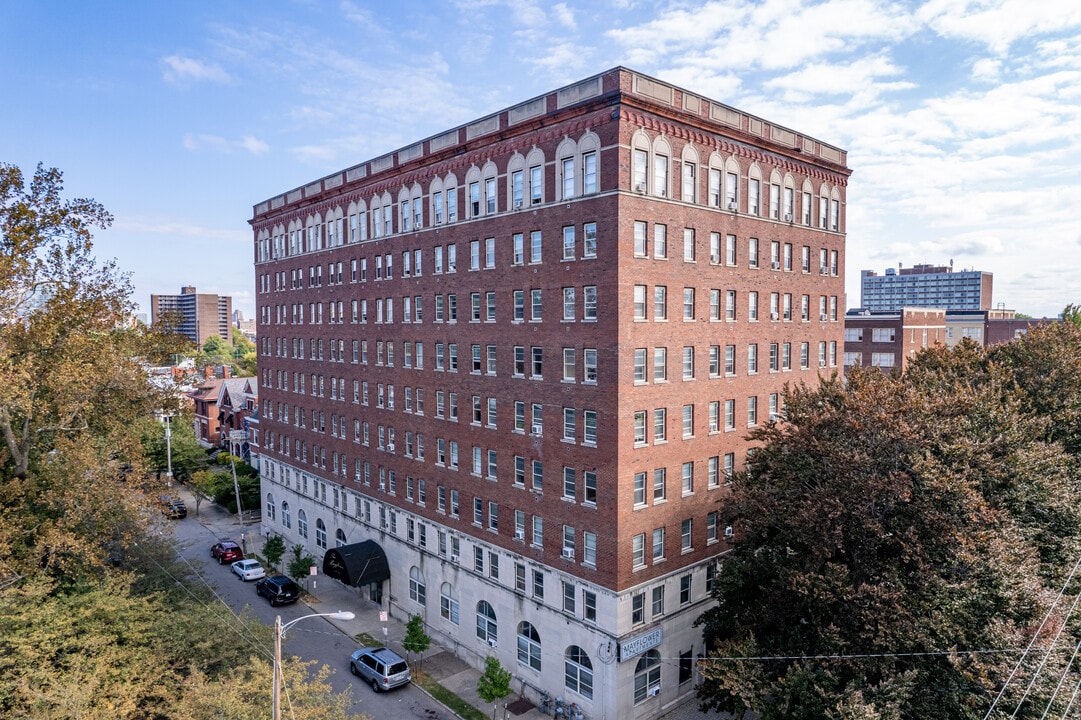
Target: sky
[[961, 118]]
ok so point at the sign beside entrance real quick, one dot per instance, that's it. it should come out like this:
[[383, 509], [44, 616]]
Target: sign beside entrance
[[638, 645]]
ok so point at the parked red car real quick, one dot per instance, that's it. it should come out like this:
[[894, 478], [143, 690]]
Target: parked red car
[[226, 551]]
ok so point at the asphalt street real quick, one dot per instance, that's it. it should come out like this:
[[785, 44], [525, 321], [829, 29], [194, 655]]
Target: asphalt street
[[314, 639]]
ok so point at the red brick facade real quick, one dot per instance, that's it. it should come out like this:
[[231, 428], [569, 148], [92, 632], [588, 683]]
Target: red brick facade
[[627, 111]]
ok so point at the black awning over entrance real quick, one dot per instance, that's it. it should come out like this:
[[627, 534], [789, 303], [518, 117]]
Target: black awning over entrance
[[358, 564]]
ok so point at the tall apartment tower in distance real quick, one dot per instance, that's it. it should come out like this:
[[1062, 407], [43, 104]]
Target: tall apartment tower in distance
[[506, 370], [925, 286], [199, 315]]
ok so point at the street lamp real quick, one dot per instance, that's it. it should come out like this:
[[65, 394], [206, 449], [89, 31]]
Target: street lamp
[[279, 633], [167, 419]]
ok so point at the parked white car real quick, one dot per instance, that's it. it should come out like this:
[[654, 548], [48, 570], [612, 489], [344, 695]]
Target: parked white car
[[248, 570]]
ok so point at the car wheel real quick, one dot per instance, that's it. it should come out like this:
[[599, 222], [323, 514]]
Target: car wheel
[[375, 685], [353, 669], [221, 560]]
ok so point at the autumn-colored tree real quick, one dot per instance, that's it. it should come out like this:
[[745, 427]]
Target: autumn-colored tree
[[893, 531], [70, 389]]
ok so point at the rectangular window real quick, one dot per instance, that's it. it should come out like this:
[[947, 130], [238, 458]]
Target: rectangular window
[[688, 304], [687, 477], [568, 303], [660, 302], [658, 544], [660, 364], [568, 242], [535, 246], [660, 485], [589, 302], [660, 241], [589, 240], [640, 488], [660, 425], [640, 249], [638, 559], [686, 528], [639, 302], [589, 365], [688, 421]]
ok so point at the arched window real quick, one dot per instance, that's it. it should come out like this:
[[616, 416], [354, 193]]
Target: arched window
[[302, 523], [647, 676], [448, 603], [578, 672], [588, 148], [271, 508], [320, 533], [529, 646], [287, 519], [417, 591], [486, 627], [339, 538], [535, 162], [516, 181]]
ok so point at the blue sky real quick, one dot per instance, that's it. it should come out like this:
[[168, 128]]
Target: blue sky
[[962, 118]]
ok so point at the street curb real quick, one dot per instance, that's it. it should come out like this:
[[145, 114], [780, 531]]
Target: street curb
[[416, 685]]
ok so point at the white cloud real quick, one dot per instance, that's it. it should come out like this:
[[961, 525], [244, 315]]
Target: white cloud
[[998, 24], [178, 69], [564, 16], [224, 146]]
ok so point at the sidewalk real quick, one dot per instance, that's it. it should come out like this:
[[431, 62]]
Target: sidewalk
[[327, 595]]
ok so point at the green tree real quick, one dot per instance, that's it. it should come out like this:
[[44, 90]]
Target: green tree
[[416, 640], [215, 347], [889, 527], [70, 391], [300, 566], [273, 550], [494, 682], [187, 454], [1072, 314]]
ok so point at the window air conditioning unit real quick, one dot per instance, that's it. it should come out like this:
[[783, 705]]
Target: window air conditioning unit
[[732, 206], [491, 641], [454, 558], [823, 317], [776, 265], [824, 270], [390, 447], [519, 534], [788, 217], [729, 532], [517, 204], [382, 486], [537, 429], [568, 553], [640, 187], [653, 691], [773, 316]]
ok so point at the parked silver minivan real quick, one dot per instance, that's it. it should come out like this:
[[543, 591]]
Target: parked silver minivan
[[380, 667]]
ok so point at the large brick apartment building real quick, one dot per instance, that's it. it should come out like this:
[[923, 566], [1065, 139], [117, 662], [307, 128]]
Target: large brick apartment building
[[518, 359]]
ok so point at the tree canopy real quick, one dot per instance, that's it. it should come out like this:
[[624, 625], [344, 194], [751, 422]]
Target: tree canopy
[[96, 620], [899, 537]]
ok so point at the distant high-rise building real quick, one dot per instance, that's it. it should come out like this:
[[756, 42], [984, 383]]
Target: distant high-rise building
[[196, 315], [925, 286]]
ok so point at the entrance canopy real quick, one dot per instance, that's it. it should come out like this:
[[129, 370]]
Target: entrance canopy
[[358, 564]]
